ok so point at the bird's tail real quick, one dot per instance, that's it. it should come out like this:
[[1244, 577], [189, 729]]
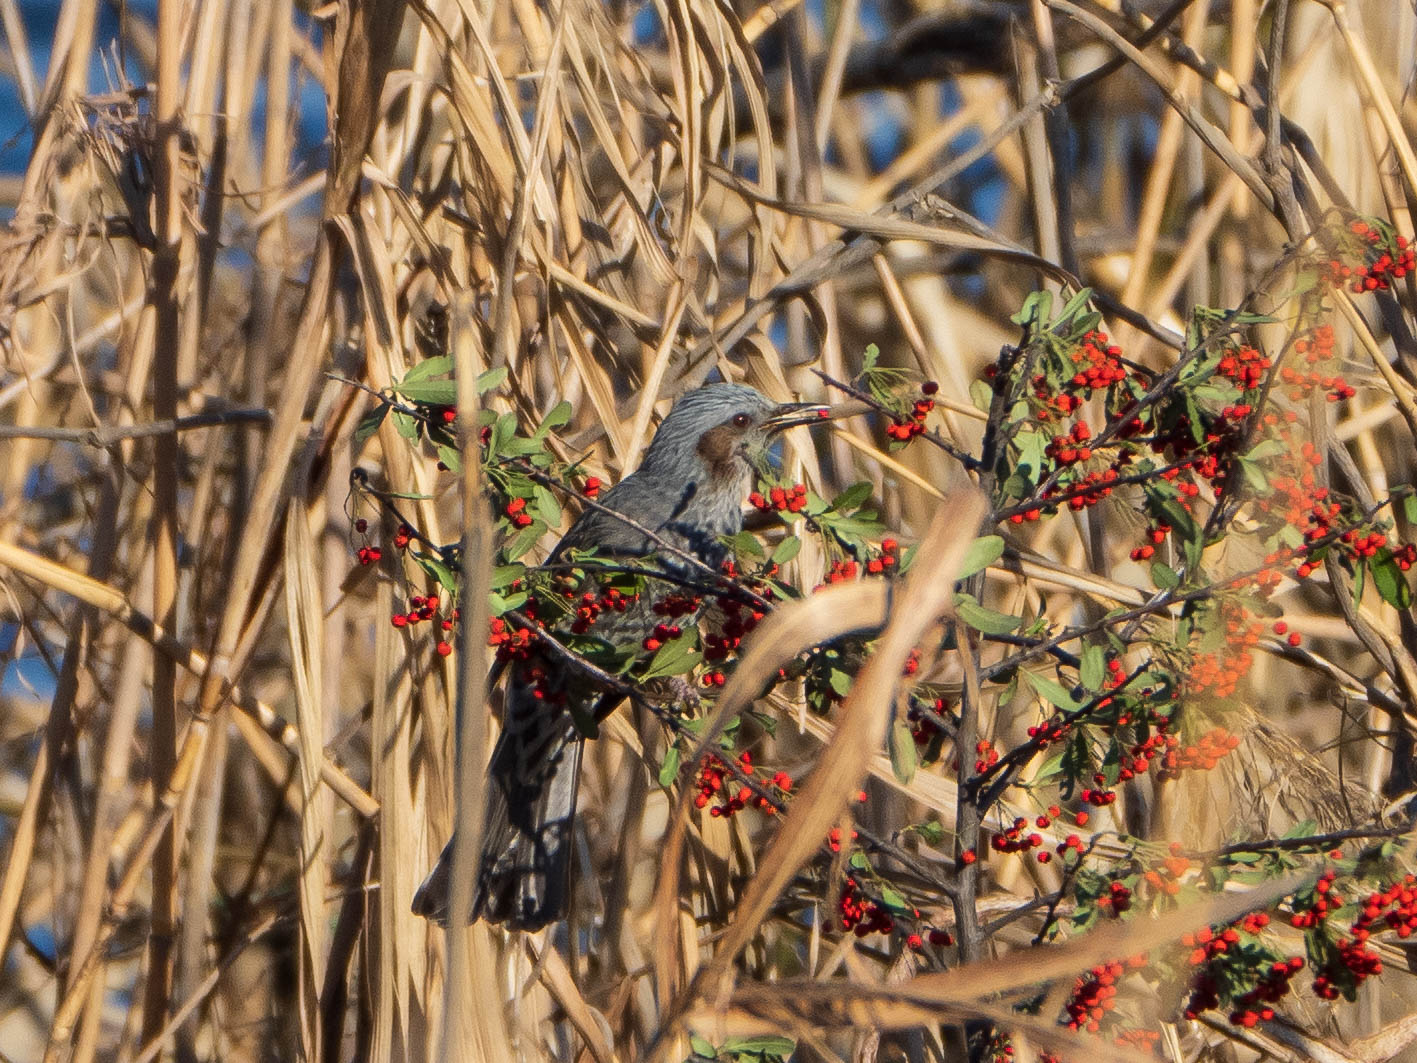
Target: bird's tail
[[523, 871]]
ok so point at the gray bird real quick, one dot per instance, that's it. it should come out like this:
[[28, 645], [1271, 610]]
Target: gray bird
[[689, 493]]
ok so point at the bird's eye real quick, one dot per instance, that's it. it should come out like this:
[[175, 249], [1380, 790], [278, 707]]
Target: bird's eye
[[742, 420]]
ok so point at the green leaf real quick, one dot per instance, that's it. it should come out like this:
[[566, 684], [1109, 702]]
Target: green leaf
[[1164, 577], [1243, 858], [449, 456], [1389, 580], [1035, 310], [545, 506], [839, 681], [1075, 305], [490, 379], [700, 1047], [894, 901], [498, 604], [1254, 476], [1174, 514], [1216, 390], [1409, 506], [429, 392], [852, 497], [869, 359], [506, 575], [1052, 692], [744, 544], [764, 1045], [559, 415], [669, 770], [675, 657], [902, 750], [1031, 446], [1268, 449], [1051, 767], [503, 430], [523, 541], [429, 367], [981, 395], [1193, 417], [931, 832], [1094, 668], [982, 619], [786, 550], [406, 426], [1017, 485], [982, 553], [370, 423], [446, 577]]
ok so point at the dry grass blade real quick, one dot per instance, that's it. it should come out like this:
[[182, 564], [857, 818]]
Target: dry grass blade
[[304, 614]]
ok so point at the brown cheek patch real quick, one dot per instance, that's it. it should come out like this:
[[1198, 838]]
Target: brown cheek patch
[[717, 445]]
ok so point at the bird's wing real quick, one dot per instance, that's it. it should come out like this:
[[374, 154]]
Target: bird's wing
[[648, 503]]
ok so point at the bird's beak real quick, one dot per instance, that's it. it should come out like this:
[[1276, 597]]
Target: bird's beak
[[791, 414]]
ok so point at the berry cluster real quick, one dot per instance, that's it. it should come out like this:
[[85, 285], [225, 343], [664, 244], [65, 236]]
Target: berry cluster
[[1312, 906], [835, 836], [589, 605], [367, 555], [661, 634], [988, 756], [509, 642], [424, 608], [936, 937], [1116, 901], [1092, 364], [1217, 674], [1071, 447], [1382, 257], [1232, 966], [1095, 993], [1014, 840], [1351, 960], [711, 783], [1165, 878], [890, 557], [1098, 795], [1051, 730], [923, 728], [1244, 367], [903, 431], [1271, 987], [1157, 536], [780, 499], [737, 619], [862, 915], [1203, 755], [515, 511]]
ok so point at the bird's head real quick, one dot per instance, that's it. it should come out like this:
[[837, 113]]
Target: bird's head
[[715, 431]]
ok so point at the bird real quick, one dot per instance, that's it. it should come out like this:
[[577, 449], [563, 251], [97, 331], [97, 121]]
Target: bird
[[684, 498]]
